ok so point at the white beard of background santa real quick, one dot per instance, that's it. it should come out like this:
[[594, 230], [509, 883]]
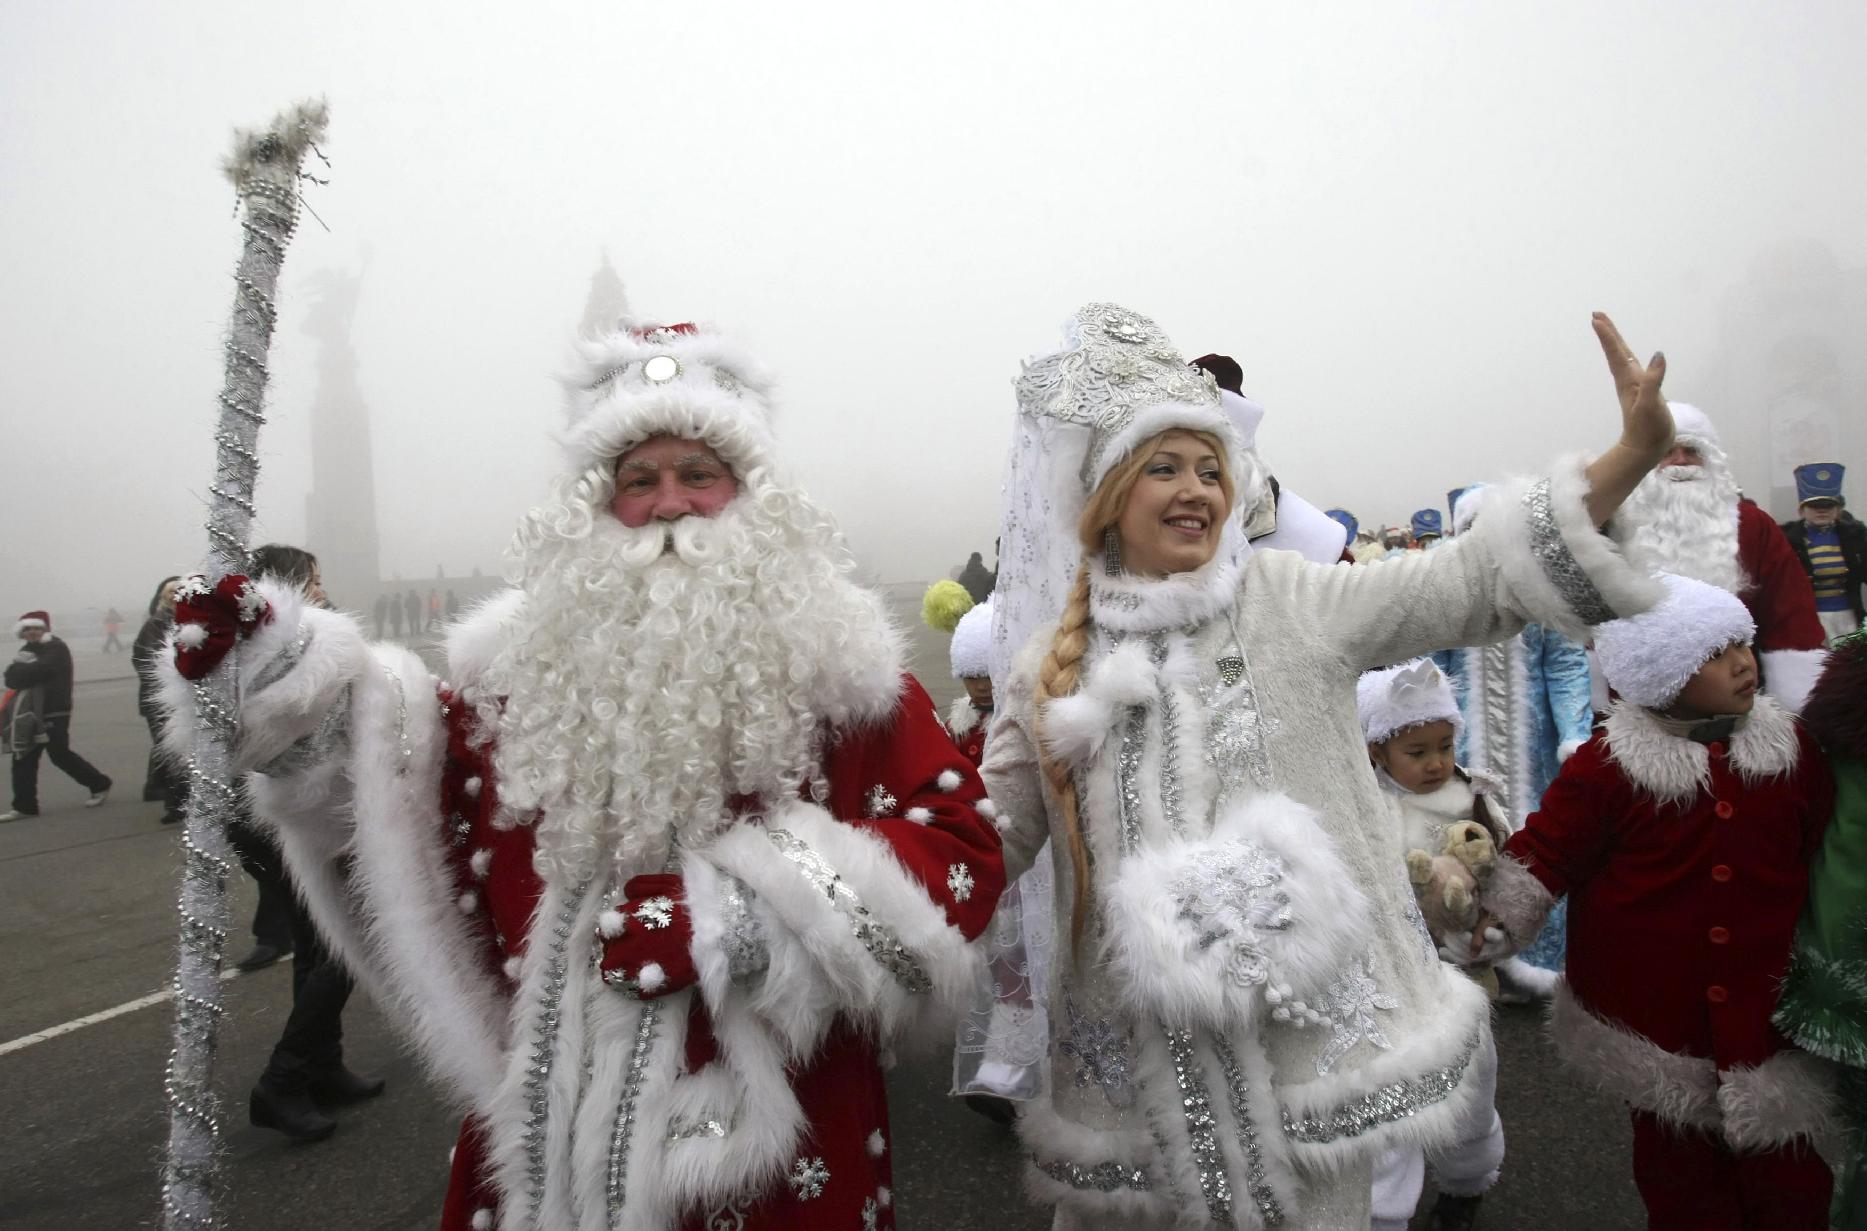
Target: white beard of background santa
[[1692, 520], [680, 851]]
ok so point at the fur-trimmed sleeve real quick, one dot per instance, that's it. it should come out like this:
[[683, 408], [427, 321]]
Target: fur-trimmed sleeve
[[1567, 839], [1013, 777], [1532, 555], [870, 919]]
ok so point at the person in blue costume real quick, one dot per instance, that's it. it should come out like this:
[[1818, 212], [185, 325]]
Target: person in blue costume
[[1525, 701]]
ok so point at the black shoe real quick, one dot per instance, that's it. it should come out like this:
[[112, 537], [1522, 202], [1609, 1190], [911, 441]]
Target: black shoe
[[290, 1112], [1453, 1213], [997, 1110], [173, 817], [339, 1087], [262, 956]]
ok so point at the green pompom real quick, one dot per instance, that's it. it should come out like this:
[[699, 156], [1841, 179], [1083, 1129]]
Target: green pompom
[[944, 603]]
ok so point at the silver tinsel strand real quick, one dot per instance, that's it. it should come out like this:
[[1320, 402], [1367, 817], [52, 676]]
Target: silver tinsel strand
[[265, 171]]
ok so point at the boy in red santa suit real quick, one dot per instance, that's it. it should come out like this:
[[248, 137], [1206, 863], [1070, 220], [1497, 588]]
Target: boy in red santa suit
[[1682, 833], [674, 854], [1688, 517]]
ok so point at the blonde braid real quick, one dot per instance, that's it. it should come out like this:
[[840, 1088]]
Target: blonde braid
[[1057, 677]]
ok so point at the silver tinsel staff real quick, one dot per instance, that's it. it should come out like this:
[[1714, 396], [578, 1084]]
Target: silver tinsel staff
[[265, 170]]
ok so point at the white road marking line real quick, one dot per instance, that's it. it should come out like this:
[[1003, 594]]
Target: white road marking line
[[79, 1023]]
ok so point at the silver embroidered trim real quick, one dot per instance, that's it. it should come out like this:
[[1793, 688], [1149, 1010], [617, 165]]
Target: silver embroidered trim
[[1234, 897], [1348, 1008], [1237, 729], [1170, 785], [1397, 1100], [1500, 709], [406, 749], [1564, 571], [695, 1130], [544, 1046], [616, 1183], [875, 936], [1127, 777], [281, 664], [742, 933], [1257, 1182], [1201, 1126], [1101, 1055], [1098, 1177]]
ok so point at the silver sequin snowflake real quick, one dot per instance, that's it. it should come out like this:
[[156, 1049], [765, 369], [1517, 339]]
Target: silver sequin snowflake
[[1233, 901], [959, 880], [881, 801], [807, 1178], [1349, 1006], [655, 913], [1101, 1056]]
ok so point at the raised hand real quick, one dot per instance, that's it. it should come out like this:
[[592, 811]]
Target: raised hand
[[1646, 424]]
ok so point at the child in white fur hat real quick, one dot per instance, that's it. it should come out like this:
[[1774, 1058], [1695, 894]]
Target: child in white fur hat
[[1450, 832], [1682, 833]]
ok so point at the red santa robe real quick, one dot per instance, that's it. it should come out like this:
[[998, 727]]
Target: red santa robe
[[1686, 869], [1790, 638], [751, 1101]]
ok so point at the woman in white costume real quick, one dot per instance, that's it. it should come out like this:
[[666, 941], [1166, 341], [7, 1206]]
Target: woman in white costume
[[1244, 1005]]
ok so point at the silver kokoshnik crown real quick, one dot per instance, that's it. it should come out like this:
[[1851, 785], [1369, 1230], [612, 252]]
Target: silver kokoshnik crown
[[1117, 364]]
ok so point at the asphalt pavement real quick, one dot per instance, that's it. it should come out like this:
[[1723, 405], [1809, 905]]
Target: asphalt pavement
[[87, 925]]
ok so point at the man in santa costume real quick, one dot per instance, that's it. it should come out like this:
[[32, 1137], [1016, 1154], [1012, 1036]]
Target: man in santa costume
[[1689, 518], [674, 854], [41, 674]]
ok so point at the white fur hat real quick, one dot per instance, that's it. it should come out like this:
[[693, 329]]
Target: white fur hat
[[1650, 657], [1395, 699], [1691, 426], [972, 643], [1465, 508], [680, 380]]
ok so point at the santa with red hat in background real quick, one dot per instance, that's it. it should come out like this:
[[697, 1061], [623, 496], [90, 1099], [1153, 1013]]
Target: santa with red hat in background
[[1688, 517], [37, 717], [675, 853]]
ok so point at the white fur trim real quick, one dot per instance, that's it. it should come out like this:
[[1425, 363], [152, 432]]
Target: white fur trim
[[472, 787], [1156, 955], [1049, 1138], [651, 978], [611, 924], [1075, 727], [962, 716], [1681, 1090], [189, 636], [1790, 1095], [513, 967], [1150, 421], [987, 809], [1670, 767], [1123, 677], [475, 639], [1789, 675], [920, 816], [468, 902], [482, 1219], [1566, 749], [1650, 657], [480, 862], [1692, 426], [878, 1145], [1131, 604], [1503, 519], [1396, 699], [1539, 983], [948, 780]]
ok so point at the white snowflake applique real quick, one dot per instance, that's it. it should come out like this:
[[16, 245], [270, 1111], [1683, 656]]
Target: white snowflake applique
[[871, 1214], [195, 586], [252, 602], [959, 880], [881, 801], [655, 913], [807, 1178], [1349, 1006]]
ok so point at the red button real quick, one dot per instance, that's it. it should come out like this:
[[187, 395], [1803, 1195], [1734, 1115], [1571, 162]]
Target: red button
[[1723, 809], [1721, 872], [1719, 936], [1715, 748], [1716, 994]]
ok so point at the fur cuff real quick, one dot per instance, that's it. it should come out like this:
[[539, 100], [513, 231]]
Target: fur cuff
[[849, 929], [1516, 899], [1790, 1095], [1102, 1173], [1563, 572], [475, 639], [1207, 933], [1790, 675], [1681, 1090]]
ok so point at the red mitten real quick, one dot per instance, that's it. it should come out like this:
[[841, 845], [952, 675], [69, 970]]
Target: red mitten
[[210, 618], [648, 940]]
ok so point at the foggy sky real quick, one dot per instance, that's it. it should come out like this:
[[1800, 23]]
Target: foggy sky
[[1397, 218]]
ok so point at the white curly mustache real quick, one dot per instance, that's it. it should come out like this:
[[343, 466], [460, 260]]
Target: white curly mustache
[[694, 541]]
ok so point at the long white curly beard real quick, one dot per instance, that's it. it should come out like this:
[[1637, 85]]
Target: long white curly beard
[[653, 675], [1685, 522]]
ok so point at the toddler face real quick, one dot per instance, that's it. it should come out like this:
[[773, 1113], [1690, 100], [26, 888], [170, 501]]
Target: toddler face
[[1725, 685], [1420, 758]]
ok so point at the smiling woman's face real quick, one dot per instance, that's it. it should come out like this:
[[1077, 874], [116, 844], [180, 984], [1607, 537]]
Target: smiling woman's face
[[1176, 512]]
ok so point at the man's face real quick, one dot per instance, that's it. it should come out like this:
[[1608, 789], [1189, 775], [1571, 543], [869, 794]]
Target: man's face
[[666, 478], [1822, 513], [32, 635], [1681, 455]]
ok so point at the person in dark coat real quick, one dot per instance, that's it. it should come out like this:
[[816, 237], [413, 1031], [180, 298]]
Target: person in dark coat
[[1832, 546], [978, 580], [44, 664], [165, 782], [306, 1074], [381, 612], [412, 609]]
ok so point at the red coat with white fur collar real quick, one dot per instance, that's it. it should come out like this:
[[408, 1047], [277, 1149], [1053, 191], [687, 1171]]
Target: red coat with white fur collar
[[900, 781], [1686, 869]]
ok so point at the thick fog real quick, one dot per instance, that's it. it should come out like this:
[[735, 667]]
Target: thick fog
[[1396, 217]]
